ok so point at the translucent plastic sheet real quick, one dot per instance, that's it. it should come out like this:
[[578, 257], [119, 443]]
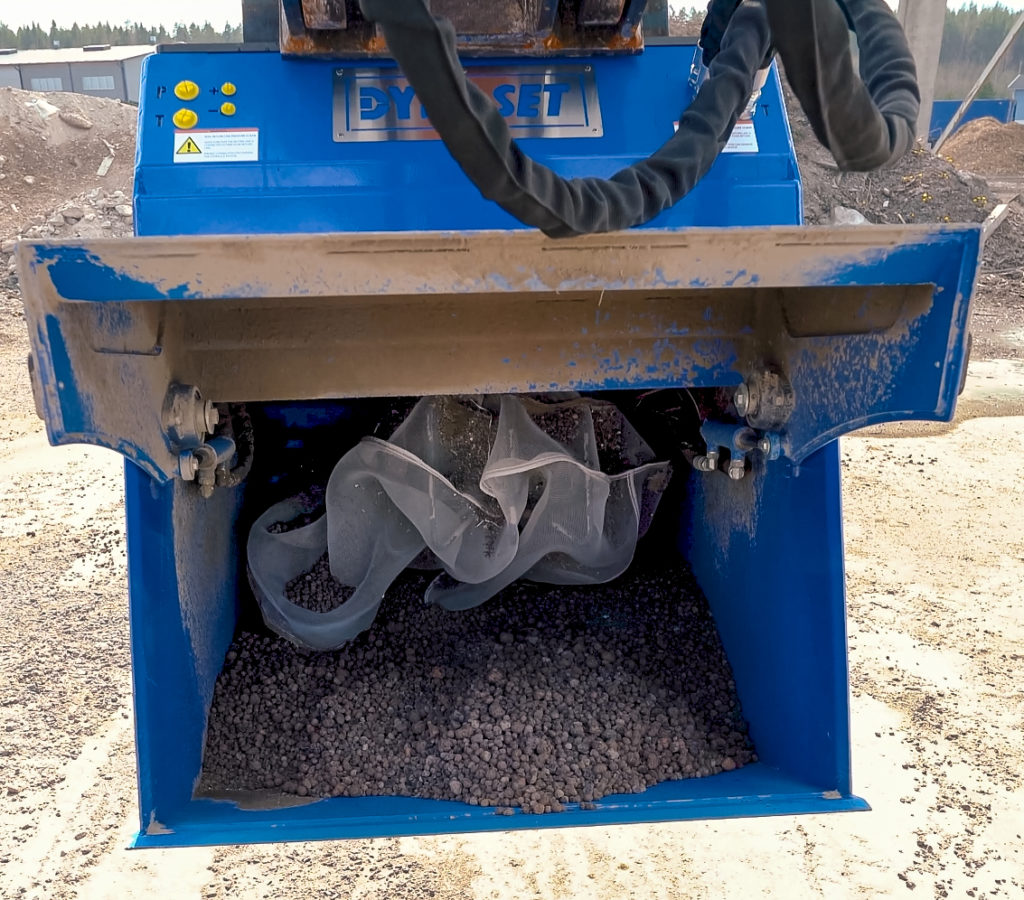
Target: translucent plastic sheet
[[487, 489]]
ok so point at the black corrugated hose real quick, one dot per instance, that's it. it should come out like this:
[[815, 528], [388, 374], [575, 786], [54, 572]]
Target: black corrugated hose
[[864, 124]]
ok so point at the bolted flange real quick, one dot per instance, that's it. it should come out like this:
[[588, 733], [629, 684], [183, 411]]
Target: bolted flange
[[186, 417]]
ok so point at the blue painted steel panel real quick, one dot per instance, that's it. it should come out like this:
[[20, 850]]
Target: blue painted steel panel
[[755, 790], [183, 581], [767, 550], [304, 181]]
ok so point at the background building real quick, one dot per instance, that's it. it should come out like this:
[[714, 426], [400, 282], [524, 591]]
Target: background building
[[99, 70], [1017, 88]]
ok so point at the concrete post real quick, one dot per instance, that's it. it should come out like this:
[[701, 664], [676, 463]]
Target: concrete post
[[656, 18], [923, 21]]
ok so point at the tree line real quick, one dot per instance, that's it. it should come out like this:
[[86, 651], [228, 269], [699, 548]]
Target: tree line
[[35, 37], [973, 34]]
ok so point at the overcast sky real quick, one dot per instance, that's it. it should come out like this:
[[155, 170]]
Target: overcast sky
[[67, 12], [217, 12]]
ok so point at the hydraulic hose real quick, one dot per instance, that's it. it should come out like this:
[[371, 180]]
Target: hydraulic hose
[[239, 429], [865, 124], [478, 138]]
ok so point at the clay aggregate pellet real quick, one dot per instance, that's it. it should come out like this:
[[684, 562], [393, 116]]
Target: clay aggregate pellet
[[311, 500], [541, 697], [317, 589]]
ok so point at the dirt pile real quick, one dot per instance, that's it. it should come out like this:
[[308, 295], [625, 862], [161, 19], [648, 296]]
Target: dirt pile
[[919, 189], [53, 147], [94, 214], [540, 697], [988, 146]]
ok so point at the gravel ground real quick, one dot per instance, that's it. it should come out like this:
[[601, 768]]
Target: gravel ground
[[540, 697]]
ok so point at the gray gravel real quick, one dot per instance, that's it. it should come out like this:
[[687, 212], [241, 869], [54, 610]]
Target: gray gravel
[[541, 697]]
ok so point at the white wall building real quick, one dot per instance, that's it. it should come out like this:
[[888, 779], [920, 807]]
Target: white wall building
[[100, 70]]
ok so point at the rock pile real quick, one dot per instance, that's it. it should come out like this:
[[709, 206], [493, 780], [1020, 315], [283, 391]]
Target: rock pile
[[920, 189], [54, 146], [94, 214], [539, 698]]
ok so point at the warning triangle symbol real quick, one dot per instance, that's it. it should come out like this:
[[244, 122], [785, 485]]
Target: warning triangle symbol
[[190, 146]]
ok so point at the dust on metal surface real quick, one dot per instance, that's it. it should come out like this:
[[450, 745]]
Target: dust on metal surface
[[460, 263], [329, 316]]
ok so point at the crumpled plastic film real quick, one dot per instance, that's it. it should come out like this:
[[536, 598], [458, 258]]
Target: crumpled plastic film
[[493, 488]]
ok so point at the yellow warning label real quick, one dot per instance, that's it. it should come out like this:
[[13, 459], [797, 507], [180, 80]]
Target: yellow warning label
[[216, 145]]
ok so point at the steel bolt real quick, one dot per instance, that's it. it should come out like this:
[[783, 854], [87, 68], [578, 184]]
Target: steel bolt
[[706, 463], [211, 416], [737, 469], [741, 399], [188, 465], [765, 445]]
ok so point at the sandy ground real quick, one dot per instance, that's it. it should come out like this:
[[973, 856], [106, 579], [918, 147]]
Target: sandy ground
[[935, 554]]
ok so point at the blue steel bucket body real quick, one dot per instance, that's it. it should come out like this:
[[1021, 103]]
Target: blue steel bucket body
[[767, 550]]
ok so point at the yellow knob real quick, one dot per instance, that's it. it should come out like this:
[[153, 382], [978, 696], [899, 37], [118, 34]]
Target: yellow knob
[[185, 118], [186, 90], [228, 109], [228, 89]]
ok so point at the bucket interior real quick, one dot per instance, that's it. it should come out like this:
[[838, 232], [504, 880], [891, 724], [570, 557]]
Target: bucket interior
[[766, 552]]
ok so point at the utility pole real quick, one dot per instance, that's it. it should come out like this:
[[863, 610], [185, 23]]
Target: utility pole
[[923, 21]]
